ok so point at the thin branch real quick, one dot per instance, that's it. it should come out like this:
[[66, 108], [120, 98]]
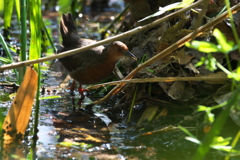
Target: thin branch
[[170, 49], [213, 79], [105, 41]]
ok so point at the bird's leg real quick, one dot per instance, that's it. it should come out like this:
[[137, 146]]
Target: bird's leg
[[72, 88], [81, 92], [72, 94]]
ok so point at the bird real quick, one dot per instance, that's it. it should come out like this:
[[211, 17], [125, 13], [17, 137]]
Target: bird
[[93, 65]]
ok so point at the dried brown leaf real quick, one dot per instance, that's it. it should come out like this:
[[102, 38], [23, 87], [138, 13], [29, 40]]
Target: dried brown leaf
[[18, 116]]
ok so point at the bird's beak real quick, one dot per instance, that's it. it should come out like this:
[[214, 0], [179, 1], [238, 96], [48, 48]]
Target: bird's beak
[[129, 54]]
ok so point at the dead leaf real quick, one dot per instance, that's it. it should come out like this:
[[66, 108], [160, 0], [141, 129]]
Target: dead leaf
[[18, 116], [181, 91], [163, 113], [148, 114], [182, 57]]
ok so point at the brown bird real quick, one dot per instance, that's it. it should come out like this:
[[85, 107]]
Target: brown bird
[[89, 66]]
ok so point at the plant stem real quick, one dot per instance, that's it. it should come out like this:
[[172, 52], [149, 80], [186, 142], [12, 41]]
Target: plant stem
[[23, 15]]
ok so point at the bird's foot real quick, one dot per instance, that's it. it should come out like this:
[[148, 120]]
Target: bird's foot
[[81, 92]]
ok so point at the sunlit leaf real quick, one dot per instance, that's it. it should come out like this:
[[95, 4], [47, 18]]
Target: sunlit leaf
[[162, 10], [36, 28], [185, 3], [224, 46], [75, 144], [209, 61], [69, 6], [5, 60], [220, 141], [1, 6], [194, 140], [50, 97], [210, 117], [186, 131], [17, 3], [235, 75], [202, 108], [203, 46], [214, 145], [8, 53], [223, 148], [8, 5]]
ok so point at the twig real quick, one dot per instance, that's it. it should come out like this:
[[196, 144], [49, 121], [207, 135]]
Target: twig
[[170, 49], [163, 79], [115, 20], [105, 41]]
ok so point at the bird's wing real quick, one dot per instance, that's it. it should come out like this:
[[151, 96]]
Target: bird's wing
[[82, 59]]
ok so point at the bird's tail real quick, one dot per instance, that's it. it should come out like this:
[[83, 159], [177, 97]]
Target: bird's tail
[[68, 30]]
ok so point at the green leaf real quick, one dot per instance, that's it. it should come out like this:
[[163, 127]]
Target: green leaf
[[209, 117], [5, 60], [17, 3], [144, 59], [8, 53], [224, 46], [220, 141], [202, 108], [194, 140], [203, 46], [184, 3], [162, 10], [65, 6], [235, 75], [49, 97], [1, 7], [8, 5], [223, 148], [36, 28], [75, 144], [186, 131], [209, 61]]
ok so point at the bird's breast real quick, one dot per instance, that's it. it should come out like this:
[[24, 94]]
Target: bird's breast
[[92, 74]]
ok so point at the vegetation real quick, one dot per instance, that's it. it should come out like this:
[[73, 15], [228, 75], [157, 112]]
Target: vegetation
[[167, 40]]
